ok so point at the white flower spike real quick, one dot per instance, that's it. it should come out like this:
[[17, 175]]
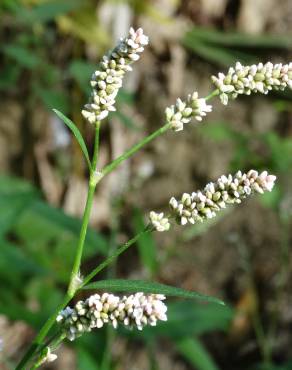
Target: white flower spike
[[260, 78], [136, 310], [107, 81], [201, 205]]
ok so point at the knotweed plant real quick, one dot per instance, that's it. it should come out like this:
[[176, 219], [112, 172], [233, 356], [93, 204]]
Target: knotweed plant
[[146, 305]]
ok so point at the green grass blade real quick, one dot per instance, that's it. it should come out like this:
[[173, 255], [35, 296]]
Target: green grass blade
[[123, 285], [216, 53], [196, 354], [241, 40], [76, 133]]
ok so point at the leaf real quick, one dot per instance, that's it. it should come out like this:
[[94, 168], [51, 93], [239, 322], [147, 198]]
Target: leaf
[[13, 203], [9, 75], [81, 72], [14, 263], [219, 131], [83, 25], [47, 11], [146, 244], [22, 56], [52, 98], [47, 236], [122, 285], [196, 354], [213, 53], [187, 318], [236, 39], [85, 360], [76, 133]]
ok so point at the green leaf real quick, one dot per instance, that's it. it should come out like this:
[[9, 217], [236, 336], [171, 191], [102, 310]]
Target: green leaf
[[196, 354], [85, 360], [22, 56], [236, 39], [146, 244], [14, 263], [47, 11], [121, 285], [219, 131], [52, 98], [287, 366], [81, 72], [76, 133], [217, 54], [14, 201], [187, 318], [9, 75]]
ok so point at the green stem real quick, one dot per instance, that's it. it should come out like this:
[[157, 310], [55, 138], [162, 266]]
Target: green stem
[[95, 177], [86, 216], [114, 164], [110, 259], [77, 261], [76, 266], [212, 94], [42, 333], [56, 340]]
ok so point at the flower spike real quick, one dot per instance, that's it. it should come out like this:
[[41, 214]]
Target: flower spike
[[136, 310], [107, 81], [260, 78]]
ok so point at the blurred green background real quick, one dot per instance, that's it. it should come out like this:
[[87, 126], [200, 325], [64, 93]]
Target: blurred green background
[[48, 51]]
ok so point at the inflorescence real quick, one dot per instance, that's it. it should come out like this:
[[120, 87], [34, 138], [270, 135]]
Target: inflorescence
[[136, 310], [201, 205], [255, 78], [182, 112], [107, 81]]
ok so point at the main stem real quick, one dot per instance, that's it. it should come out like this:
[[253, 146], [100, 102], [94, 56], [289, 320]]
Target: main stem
[[95, 177], [111, 258], [73, 284]]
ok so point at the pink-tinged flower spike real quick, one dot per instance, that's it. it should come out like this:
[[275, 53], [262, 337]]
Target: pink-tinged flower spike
[[204, 204], [260, 78], [136, 310], [107, 81], [183, 112]]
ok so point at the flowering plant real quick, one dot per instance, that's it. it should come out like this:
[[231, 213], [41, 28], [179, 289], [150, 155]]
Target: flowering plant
[[146, 305]]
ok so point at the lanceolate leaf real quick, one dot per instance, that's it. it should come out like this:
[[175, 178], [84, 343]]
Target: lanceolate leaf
[[76, 133], [121, 285], [196, 354]]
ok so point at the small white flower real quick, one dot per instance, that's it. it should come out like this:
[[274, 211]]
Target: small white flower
[[159, 222], [182, 112], [48, 356]]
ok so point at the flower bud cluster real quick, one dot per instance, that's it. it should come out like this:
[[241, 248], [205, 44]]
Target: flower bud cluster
[[159, 222], [255, 78], [201, 205], [107, 81], [136, 310], [182, 112]]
